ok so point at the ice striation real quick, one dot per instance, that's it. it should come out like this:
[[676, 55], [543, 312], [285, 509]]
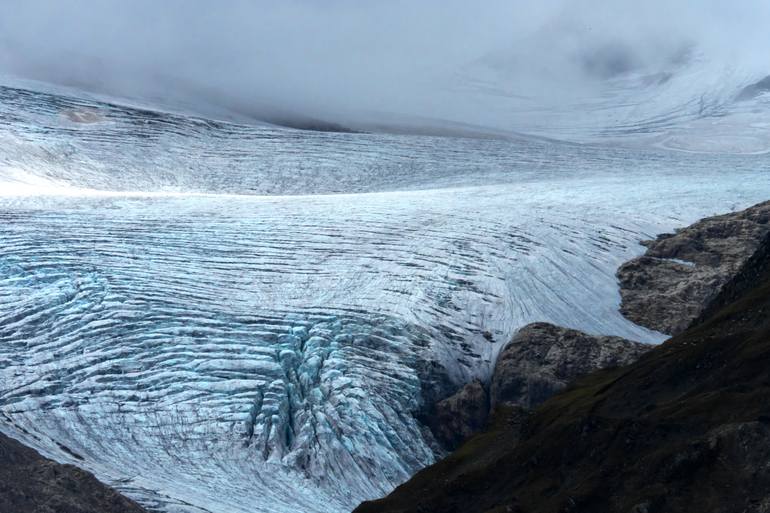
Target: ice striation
[[225, 318]]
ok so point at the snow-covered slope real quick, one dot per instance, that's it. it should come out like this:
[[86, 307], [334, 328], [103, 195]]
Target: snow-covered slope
[[225, 318]]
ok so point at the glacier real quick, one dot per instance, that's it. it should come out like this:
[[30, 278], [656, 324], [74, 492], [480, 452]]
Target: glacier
[[219, 317]]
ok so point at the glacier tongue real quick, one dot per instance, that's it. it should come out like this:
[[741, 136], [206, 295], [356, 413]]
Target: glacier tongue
[[209, 351]]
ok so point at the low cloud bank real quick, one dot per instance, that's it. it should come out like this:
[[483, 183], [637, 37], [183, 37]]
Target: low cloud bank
[[346, 61]]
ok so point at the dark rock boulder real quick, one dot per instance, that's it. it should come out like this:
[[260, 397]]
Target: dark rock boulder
[[458, 417], [542, 359], [30, 483], [668, 287]]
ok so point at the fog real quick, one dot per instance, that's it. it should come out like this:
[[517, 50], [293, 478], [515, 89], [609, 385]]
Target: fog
[[347, 60]]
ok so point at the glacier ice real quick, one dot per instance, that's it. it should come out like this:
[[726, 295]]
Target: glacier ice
[[222, 318]]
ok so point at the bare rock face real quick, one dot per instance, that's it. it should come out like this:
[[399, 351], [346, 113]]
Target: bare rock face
[[542, 359], [30, 483], [668, 287], [458, 417]]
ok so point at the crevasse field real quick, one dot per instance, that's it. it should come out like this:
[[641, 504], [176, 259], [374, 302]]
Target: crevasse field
[[225, 318]]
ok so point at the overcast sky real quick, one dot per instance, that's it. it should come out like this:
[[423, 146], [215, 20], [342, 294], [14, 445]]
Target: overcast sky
[[343, 57]]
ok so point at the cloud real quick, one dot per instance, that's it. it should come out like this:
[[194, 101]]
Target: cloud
[[344, 59]]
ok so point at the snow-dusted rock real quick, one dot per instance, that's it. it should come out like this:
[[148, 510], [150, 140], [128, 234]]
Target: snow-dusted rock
[[670, 285]]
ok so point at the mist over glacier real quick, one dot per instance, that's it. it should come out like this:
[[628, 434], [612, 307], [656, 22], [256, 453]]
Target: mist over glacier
[[216, 312], [497, 65]]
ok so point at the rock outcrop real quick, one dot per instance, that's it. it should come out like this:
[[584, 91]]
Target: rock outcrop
[[670, 285], [30, 483], [542, 359], [458, 417]]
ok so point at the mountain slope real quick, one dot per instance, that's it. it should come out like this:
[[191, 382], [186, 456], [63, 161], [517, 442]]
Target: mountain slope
[[686, 428], [30, 483]]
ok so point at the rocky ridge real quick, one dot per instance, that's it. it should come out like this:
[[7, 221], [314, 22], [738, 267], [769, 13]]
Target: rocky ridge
[[670, 285]]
